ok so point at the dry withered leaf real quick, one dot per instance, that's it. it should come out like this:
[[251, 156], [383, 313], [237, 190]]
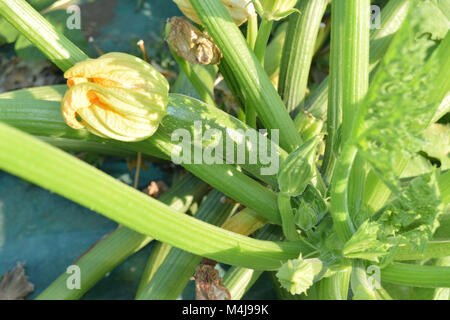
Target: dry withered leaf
[[208, 285], [191, 44], [15, 285], [156, 188]]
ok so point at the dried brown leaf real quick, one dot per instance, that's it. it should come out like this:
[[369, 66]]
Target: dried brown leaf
[[15, 285]]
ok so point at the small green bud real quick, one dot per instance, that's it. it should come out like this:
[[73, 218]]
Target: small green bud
[[275, 9], [298, 169], [305, 217], [314, 198], [297, 275], [308, 126]]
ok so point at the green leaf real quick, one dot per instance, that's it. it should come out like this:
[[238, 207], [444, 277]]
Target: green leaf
[[249, 74], [435, 20], [437, 144], [417, 275], [414, 217], [364, 243], [9, 34], [60, 50], [82, 183], [402, 99], [444, 5]]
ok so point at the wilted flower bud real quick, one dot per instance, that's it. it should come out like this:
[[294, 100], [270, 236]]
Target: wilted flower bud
[[191, 44], [239, 10], [116, 96], [275, 9], [298, 169], [297, 275]]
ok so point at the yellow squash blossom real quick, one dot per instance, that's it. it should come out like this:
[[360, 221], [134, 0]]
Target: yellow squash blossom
[[117, 96]]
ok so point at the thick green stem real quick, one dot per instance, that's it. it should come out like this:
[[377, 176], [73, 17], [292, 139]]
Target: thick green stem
[[434, 249], [442, 293], [339, 193], [336, 83], [392, 16], [298, 52], [29, 21], [157, 257], [252, 30], [252, 36], [287, 217], [265, 29], [351, 66], [248, 71], [60, 50], [72, 178], [363, 287], [239, 280], [80, 146]]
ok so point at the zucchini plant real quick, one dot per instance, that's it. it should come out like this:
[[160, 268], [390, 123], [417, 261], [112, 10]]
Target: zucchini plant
[[310, 180]]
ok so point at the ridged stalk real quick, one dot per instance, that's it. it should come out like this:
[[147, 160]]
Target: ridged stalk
[[417, 275], [244, 222], [157, 257], [350, 81], [248, 71], [60, 50], [175, 271], [72, 178], [104, 256], [239, 280], [392, 16], [336, 286], [43, 118], [298, 52]]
